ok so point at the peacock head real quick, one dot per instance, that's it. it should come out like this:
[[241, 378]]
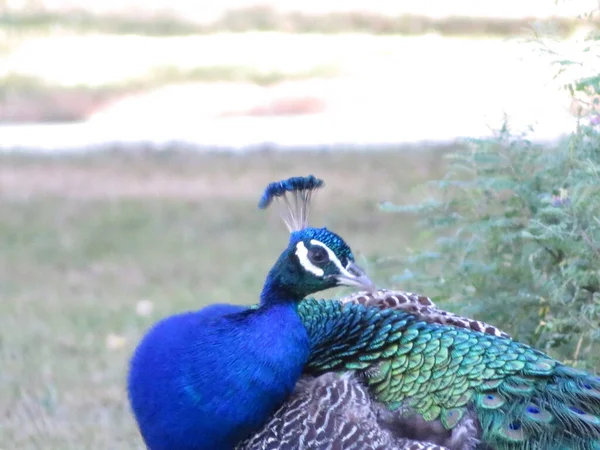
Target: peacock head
[[316, 258]]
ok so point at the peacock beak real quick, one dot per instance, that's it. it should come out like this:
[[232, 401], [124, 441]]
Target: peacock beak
[[355, 276]]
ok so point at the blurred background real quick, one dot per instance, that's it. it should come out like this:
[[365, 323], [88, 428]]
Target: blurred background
[[136, 138], [288, 73]]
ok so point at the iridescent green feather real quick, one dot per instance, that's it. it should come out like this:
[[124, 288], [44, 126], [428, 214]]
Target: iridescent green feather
[[523, 399]]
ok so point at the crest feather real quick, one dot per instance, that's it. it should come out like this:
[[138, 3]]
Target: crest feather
[[293, 195]]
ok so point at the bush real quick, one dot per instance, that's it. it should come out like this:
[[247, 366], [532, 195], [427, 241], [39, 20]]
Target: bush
[[518, 237]]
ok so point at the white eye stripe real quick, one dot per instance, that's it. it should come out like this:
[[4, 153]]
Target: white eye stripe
[[332, 257], [302, 254]]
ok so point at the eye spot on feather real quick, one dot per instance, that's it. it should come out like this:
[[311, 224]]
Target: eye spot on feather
[[451, 417], [537, 414], [514, 431], [492, 401]]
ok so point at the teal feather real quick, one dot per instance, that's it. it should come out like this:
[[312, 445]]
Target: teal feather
[[451, 417], [521, 398], [332, 411]]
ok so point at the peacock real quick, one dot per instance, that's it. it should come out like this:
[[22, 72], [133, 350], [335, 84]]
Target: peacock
[[207, 379], [389, 370], [379, 370]]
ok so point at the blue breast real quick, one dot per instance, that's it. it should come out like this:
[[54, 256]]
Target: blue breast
[[207, 379]]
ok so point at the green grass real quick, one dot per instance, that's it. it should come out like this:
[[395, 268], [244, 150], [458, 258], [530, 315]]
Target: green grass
[[84, 239]]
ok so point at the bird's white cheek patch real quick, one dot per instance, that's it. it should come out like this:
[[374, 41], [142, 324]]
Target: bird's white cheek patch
[[302, 254]]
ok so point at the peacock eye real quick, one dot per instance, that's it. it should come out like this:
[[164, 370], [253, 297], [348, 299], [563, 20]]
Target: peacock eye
[[318, 255]]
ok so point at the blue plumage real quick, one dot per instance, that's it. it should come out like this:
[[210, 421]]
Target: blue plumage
[[206, 379], [295, 194], [203, 380], [294, 184]]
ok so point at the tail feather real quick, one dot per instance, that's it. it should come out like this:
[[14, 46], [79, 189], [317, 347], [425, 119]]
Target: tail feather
[[553, 411], [412, 359]]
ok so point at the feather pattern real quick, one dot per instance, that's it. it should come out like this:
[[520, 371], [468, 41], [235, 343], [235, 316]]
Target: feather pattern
[[448, 374], [337, 410], [330, 412], [420, 306]]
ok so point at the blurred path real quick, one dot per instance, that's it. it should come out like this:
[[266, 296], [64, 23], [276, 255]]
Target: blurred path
[[391, 90]]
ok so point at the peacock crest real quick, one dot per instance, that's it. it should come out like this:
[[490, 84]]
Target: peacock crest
[[319, 251], [294, 197]]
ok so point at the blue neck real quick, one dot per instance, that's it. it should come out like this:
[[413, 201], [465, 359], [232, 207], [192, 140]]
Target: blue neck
[[207, 379], [275, 293]]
